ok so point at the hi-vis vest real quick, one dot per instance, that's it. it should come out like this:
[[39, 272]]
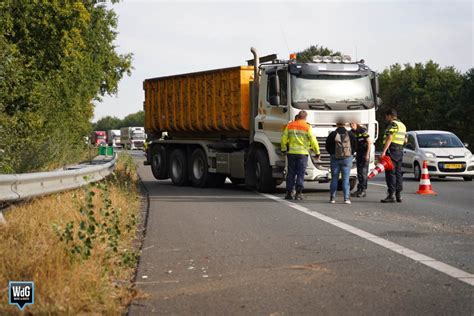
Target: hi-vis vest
[[398, 131], [298, 138]]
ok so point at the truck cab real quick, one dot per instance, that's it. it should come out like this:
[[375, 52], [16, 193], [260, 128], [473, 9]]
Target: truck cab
[[329, 89]]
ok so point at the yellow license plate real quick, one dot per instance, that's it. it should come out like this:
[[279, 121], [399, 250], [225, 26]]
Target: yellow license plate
[[453, 166]]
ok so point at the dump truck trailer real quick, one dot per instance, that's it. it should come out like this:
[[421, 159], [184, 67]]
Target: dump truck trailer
[[204, 127]]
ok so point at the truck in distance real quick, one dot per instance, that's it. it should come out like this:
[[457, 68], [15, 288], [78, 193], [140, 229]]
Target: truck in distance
[[132, 137], [204, 127], [98, 138], [113, 138]]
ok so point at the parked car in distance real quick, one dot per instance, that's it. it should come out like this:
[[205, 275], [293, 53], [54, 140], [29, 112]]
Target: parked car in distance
[[444, 153]]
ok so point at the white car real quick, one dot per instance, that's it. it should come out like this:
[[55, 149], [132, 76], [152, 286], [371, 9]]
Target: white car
[[444, 153]]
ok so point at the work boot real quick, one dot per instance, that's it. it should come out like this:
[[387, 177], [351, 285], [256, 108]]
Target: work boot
[[289, 195], [299, 195], [356, 193], [361, 194], [388, 199], [398, 197]]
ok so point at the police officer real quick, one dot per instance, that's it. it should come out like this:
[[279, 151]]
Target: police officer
[[364, 144], [393, 142], [296, 140]]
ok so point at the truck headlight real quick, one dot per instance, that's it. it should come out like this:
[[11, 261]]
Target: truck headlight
[[430, 155]]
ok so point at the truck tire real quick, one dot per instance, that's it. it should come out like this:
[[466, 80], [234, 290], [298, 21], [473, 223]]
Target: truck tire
[[199, 169], [178, 167], [264, 181], [236, 181], [159, 162]]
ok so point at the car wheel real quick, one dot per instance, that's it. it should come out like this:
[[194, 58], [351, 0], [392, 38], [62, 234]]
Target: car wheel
[[417, 171], [467, 178], [352, 183]]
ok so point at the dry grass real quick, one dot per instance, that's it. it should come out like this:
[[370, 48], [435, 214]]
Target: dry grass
[[30, 249]]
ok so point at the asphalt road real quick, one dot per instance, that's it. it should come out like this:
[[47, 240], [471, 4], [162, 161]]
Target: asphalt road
[[233, 251]]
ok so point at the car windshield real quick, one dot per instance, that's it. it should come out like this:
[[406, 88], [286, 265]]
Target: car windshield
[[332, 92], [100, 137], [438, 141]]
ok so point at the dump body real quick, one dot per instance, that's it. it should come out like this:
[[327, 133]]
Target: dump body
[[211, 104]]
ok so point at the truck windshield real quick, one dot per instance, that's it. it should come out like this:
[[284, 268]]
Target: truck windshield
[[332, 92], [138, 135]]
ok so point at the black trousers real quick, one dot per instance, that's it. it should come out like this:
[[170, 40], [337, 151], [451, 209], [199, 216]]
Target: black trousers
[[362, 171], [394, 177]]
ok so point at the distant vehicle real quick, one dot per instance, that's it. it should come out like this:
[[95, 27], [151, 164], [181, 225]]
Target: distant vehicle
[[98, 138], [444, 153], [132, 137], [113, 138]]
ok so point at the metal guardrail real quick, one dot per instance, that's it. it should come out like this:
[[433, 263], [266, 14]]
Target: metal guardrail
[[15, 187]]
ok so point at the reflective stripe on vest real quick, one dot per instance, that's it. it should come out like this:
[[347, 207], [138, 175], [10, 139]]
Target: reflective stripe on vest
[[298, 139], [399, 135]]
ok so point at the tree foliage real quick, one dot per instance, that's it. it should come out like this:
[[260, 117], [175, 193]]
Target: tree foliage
[[427, 96], [315, 50], [55, 59], [112, 122]]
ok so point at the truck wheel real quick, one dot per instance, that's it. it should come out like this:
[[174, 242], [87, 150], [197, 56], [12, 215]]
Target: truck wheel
[[263, 173], [200, 176], [237, 181], [159, 163], [467, 178], [178, 168]]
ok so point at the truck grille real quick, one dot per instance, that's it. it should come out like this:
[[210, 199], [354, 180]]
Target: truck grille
[[325, 156]]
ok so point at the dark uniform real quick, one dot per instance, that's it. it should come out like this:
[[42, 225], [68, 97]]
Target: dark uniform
[[394, 177], [362, 135]]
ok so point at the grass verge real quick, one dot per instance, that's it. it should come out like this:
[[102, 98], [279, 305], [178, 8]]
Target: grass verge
[[77, 246]]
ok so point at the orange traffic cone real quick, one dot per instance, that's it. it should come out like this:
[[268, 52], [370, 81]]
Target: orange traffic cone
[[425, 184], [385, 163]]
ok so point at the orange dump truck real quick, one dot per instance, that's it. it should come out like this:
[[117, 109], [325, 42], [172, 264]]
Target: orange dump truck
[[207, 126]]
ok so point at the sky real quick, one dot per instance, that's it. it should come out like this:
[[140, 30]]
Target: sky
[[173, 37]]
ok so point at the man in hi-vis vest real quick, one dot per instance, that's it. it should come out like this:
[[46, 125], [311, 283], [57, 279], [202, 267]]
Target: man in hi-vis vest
[[296, 141], [393, 142]]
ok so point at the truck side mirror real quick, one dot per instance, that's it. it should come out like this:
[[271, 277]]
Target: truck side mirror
[[377, 88], [274, 90]]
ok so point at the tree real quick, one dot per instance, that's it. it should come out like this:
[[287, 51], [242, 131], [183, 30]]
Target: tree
[[56, 59], [106, 123], [425, 96], [315, 50], [134, 119]]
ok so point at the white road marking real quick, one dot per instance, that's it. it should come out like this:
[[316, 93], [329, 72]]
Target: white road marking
[[217, 197], [418, 257], [378, 184]]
